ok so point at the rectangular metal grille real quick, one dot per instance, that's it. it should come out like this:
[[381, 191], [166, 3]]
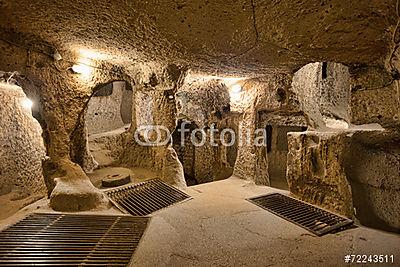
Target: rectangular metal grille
[[71, 240], [146, 197], [311, 218]]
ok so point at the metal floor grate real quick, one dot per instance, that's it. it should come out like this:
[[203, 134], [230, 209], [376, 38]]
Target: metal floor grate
[[311, 218], [71, 240], [146, 197]]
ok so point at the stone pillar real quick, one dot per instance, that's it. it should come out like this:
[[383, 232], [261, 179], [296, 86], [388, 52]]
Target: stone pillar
[[251, 162], [375, 97]]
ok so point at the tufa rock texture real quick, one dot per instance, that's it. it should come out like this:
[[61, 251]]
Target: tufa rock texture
[[74, 192], [109, 108], [218, 37], [315, 170], [21, 145], [373, 169], [158, 48]]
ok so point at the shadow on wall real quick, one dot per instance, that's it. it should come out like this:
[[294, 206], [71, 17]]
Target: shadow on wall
[[277, 150], [109, 108], [373, 170], [204, 163]]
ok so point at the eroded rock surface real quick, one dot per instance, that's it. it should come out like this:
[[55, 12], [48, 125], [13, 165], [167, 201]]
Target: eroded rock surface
[[155, 47], [373, 169], [316, 171], [74, 191], [21, 144]]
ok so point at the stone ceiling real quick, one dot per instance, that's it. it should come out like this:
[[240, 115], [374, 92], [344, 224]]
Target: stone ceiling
[[220, 37]]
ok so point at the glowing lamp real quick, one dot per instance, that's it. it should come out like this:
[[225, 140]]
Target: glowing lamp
[[27, 104], [82, 69], [236, 89]]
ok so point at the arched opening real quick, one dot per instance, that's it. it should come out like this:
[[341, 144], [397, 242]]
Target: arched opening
[[109, 108], [108, 115], [202, 161], [107, 119]]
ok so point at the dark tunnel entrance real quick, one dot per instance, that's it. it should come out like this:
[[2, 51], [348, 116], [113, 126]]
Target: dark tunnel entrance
[[277, 150]]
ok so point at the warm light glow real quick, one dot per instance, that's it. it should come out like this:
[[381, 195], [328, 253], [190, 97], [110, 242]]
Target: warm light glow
[[236, 89], [91, 54], [231, 81], [235, 92], [228, 81], [82, 69], [27, 103], [335, 124]]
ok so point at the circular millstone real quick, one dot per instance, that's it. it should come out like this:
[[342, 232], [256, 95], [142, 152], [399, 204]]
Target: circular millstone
[[114, 180]]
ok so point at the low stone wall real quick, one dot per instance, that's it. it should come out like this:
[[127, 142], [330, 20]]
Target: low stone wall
[[315, 171], [355, 173], [373, 169]]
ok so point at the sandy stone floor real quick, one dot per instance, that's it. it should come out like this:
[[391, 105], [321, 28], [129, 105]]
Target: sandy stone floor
[[219, 228]]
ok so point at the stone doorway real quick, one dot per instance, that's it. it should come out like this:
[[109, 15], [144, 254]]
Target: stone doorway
[[277, 150], [108, 116]]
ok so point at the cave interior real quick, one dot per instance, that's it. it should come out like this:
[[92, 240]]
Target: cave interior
[[223, 100]]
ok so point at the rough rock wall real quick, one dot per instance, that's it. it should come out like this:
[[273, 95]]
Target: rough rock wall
[[107, 148], [335, 90], [375, 97], [205, 103], [22, 148], [104, 113], [305, 84], [281, 118], [185, 151], [236, 37], [354, 172], [367, 162], [373, 169], [62, 97], [323, 91], [210, 162], [271, 93], [315, 170], [251, 162], [246, 161], [154, 107]]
